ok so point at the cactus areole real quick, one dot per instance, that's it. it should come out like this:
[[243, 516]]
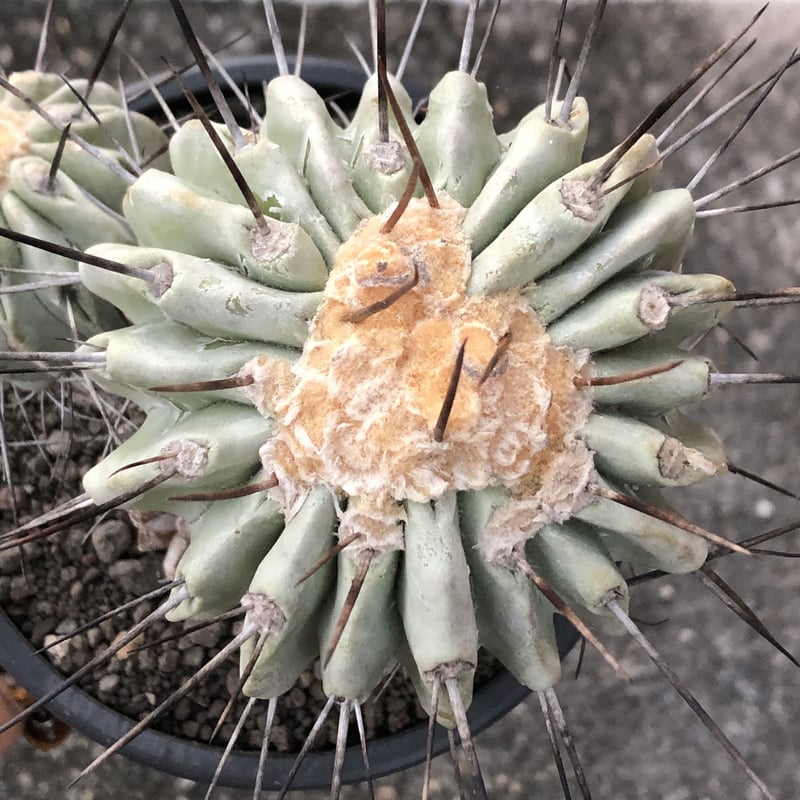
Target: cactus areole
[[404, 427]]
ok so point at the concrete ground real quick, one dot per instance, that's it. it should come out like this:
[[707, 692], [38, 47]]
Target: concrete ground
[[637, 741]]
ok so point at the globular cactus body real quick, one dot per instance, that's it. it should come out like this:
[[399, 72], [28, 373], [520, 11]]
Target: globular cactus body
[[438, 508], [413, 386]]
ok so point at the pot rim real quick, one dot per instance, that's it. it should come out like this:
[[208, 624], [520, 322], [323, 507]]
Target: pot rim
[[330, 76]]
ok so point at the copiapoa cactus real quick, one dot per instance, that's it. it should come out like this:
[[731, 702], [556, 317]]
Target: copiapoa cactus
[[69, 150], [413, 386]]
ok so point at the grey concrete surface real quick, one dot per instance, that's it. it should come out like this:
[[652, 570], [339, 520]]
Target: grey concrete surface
[[637, 740]]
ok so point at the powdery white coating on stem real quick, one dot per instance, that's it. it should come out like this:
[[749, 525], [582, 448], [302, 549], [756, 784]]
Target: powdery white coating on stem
[[357, 412]]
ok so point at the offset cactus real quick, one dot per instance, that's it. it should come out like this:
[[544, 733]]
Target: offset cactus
[[413, 386], [63, 173]]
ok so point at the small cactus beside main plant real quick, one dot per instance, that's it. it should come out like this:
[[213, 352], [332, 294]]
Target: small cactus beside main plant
[[63, 174], [413, 386]]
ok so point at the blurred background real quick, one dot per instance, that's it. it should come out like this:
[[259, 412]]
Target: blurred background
[[638, 740]]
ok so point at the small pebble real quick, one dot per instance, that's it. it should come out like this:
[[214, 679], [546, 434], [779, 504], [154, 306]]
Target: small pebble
[[110, 540], [134, 576], [109, 629], [66, 626], [168, 661], [108, 683], [58, 653], [194, 657], [205, 637], [21, 587], [68, 574], [183, 710], [9, 562]]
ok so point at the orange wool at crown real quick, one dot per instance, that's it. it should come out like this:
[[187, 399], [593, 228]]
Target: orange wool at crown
[[359, 410]]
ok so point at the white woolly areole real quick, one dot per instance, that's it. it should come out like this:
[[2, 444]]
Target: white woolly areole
[[675, 459], [375, 518], [264, 612], [187, 458], [654, 307], [360, 409], [450, 670], [386, 157], [562, 494], [582, 198], [270, 241], [37, 175]]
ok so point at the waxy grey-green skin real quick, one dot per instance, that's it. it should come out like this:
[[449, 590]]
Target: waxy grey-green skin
[[599, 392], [78, 208], [600, 271]]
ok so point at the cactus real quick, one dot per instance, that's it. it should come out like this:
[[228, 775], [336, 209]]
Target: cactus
[[62, 177], [412, 386]]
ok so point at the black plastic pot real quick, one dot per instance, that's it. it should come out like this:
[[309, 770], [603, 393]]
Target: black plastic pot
[[334, 80], [181, 757], [187, 759]]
